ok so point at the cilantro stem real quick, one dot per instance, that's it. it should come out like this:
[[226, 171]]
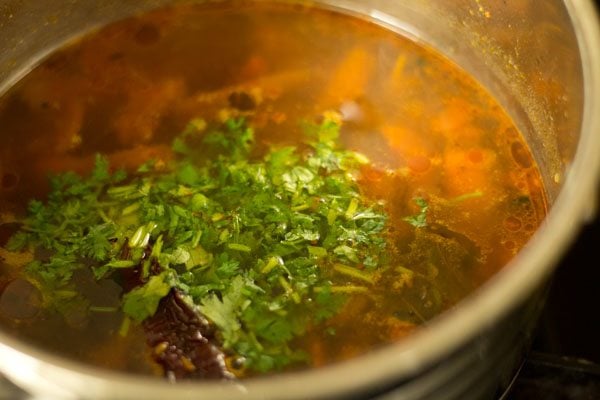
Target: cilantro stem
[[65, 294], [124, 328], [101, 309], [343, 289], [352, 207], [120, 190], [289, 290], [141, 237], [354, 273], [255, 341], [104, 217], [300, 207], [121, 264], [331, 216], [272, 263], [466, 196], [239, 247], [107, 204], [131, 208], [196, 239], [146, 268], [157, 249]]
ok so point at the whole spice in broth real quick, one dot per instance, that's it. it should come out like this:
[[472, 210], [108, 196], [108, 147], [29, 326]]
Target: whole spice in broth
[[183, 342]]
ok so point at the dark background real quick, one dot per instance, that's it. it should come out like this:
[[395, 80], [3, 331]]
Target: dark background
[[570, 323]]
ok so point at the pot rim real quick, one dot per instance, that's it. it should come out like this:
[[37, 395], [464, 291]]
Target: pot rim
[[495, 298]]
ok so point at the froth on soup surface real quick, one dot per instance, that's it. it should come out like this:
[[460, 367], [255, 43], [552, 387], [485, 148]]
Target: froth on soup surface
[[243, 189]]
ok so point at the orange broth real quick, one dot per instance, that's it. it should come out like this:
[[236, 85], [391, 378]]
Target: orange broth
[[429, 129]]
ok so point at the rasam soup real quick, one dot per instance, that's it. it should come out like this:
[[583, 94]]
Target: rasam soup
[[215, 192]]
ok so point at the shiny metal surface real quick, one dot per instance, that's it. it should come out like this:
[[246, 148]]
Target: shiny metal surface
[[542, 62]]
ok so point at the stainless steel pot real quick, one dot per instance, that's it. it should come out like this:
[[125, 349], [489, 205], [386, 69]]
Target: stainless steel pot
[[472, 351]]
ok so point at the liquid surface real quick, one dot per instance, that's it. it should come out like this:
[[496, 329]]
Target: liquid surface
[[430, 132]]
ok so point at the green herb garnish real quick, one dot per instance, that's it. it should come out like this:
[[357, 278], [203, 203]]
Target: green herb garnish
[[264, 247], [419, 220]]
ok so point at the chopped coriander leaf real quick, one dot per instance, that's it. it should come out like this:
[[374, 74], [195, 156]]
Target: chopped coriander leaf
[[419, 220], [253, 242], [142, 302]]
